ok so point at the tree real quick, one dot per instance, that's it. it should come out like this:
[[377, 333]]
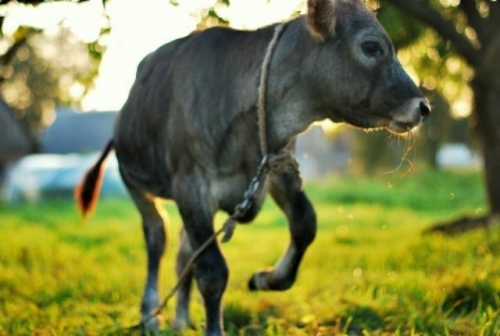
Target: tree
[[39, 70], [469, 29], [41, 76]]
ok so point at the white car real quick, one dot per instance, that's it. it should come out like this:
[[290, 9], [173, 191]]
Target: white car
[[42, 176]]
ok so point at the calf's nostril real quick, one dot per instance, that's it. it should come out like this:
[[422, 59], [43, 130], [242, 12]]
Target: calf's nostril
[[425, 109]]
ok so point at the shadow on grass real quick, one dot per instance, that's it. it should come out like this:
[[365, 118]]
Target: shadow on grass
[[363, 318], [239, 320], [270, 320], [468, 299]]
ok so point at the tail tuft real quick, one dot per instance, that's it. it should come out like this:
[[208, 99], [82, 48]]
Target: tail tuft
[[87, 191]]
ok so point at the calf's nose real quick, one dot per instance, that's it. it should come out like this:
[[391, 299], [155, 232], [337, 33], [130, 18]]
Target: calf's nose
[[425, 109]]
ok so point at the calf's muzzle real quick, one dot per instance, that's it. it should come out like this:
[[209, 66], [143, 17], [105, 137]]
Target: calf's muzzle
[[410, 116]]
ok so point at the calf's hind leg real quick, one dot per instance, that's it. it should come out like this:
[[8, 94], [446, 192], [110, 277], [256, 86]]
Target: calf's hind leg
[[286, 191], [182, 320], [153, 224]]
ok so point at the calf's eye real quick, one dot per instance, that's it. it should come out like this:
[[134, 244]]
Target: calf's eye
[[372, 49]]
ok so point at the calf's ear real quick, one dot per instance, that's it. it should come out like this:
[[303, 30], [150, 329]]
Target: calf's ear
[[321, 17]]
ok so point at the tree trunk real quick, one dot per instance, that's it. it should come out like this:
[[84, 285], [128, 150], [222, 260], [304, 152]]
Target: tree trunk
[[486, 87]]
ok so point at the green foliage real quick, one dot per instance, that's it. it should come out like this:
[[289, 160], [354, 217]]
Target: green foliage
[[403, 29], [42, 76], [370, 270], [210, 17], [40, 69]]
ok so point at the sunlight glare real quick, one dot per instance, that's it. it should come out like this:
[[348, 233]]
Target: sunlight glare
[[139, 27], [85, 20], [461, 108], [257, 13]]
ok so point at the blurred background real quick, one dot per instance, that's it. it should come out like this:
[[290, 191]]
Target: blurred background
[[66, 68]]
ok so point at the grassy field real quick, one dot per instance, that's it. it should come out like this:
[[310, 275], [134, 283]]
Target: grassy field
[[369, 272]]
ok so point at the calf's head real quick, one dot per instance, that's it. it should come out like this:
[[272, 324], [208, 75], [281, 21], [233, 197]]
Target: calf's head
[[357, 77]]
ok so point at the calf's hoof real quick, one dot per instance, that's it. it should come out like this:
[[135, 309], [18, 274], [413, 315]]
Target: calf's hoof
[[265, 281], [256, 282], [180, 326], [151, 326]]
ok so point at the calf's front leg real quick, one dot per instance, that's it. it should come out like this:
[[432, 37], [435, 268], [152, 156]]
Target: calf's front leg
[[287, 193], [210, 269]]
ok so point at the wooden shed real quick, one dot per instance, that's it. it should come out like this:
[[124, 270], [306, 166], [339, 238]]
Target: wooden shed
[[78, 132]]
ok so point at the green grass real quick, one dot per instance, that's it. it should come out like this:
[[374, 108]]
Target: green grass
[[370, 270]]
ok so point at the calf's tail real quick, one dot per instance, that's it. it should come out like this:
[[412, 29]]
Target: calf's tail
[[87, 191]]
